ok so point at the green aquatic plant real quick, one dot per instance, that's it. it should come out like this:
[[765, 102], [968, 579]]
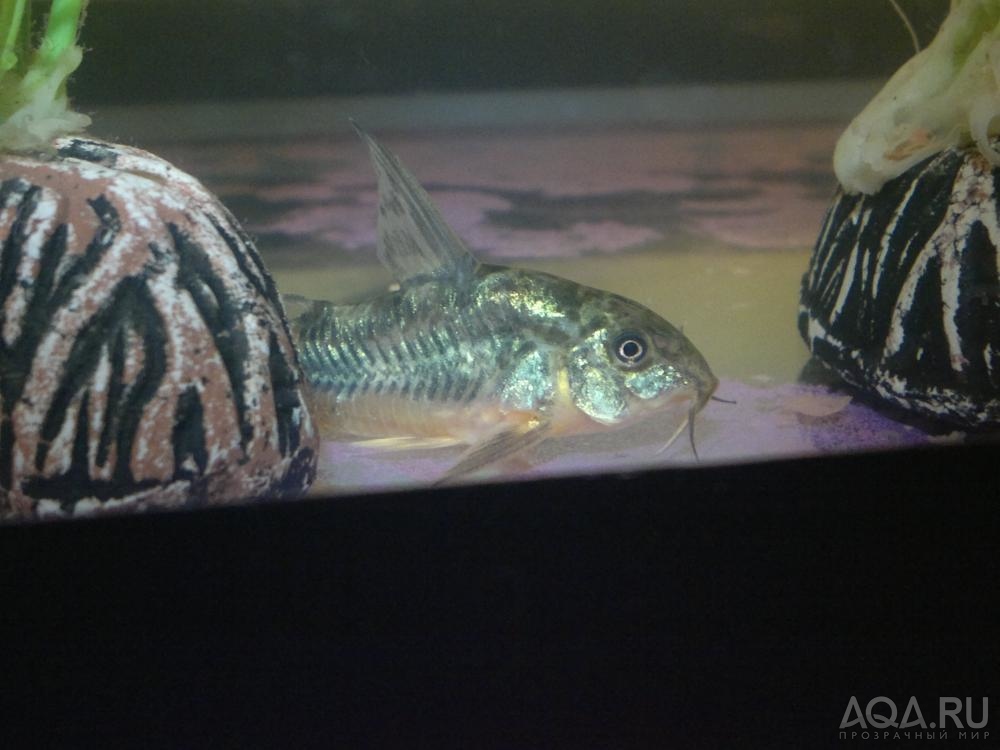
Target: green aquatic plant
[[946, 95], [34, 67]]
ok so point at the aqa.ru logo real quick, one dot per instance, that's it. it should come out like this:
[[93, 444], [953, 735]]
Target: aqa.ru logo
[[881, 714]]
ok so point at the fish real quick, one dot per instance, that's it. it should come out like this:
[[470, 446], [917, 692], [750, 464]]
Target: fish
[[497, 359]]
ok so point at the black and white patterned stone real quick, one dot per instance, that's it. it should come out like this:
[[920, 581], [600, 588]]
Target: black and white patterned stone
[[902, 298], [144, 355]]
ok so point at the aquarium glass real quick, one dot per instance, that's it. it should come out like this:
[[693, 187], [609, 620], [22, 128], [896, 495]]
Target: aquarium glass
[[676, 153]]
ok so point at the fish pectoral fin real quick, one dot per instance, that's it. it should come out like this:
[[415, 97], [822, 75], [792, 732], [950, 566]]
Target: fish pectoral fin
[[406, 443], [499, 446]]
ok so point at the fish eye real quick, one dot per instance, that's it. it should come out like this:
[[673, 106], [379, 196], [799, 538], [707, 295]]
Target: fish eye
[[630, 349]]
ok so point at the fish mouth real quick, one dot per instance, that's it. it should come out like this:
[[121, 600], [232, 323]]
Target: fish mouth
[[708, 387], [698, 394], [679, 398], [698, 398], [706, 393]]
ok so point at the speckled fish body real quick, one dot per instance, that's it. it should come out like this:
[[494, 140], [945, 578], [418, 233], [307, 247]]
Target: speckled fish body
[[486, 356]]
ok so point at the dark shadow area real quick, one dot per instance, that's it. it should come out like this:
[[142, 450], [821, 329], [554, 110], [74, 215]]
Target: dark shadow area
[[740, 605], [187, 50]]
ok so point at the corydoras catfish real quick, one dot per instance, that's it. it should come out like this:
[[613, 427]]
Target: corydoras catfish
[[485, 356]]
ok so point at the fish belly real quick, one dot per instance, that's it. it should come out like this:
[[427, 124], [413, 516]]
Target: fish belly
[[395, 421]]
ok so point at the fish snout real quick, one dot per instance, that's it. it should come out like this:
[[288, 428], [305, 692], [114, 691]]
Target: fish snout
[[701, 377], [707, 385]]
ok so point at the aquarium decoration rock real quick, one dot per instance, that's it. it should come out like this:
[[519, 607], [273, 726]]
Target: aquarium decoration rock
[[145, 360], [902, 298]]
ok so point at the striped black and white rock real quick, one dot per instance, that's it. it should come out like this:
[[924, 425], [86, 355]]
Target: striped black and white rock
[[144, 355], [902, 298]]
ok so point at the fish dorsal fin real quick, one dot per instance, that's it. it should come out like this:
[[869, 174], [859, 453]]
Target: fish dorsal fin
[[413, 238]]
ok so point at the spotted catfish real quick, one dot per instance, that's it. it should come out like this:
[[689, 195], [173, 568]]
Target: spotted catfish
[[485, 356]]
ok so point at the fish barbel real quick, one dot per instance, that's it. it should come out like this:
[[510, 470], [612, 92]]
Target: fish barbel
[[485, 356]]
